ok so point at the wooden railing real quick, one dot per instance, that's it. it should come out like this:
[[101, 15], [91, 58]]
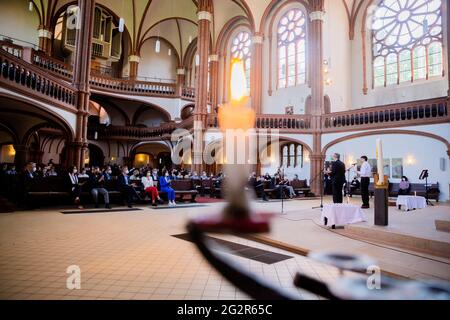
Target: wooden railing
[[130, 86], [410, 113], [188, 93], [27, 78], [54, 65], [294, 123], [12, 48], [138, 133]]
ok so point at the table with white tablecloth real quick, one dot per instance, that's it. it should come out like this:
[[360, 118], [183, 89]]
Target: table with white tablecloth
[[342, 214], [411, 202]]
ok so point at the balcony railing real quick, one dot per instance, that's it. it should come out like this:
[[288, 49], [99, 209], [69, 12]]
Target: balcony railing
[[285, 123], [410, 113], [188, 93], [138, 133], [12, 48], [54, 65], [22, 76], [130, 86]]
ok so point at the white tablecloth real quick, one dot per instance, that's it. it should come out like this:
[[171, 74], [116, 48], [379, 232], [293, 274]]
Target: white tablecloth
[[411, 202], [341, 214]]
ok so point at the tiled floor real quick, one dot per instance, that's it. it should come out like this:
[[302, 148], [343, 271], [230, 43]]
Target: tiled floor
[[134, 255], [124, 255]]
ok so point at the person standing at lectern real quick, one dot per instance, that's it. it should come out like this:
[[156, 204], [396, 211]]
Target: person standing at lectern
[[337, 174], [365, 173]]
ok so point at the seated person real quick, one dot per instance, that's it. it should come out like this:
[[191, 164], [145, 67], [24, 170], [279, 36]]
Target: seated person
[[126, 187], [51, 172], [96, 181], [83, 173], [75, 186], [354, 185], [150, 187], [204, 176], [404, 187], [164, 183], [257, 184], [107, 174]]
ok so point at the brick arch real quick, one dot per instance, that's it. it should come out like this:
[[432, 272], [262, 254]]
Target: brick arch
[[383, 132]]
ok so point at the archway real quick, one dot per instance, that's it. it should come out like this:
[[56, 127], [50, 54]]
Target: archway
[[95, 156]]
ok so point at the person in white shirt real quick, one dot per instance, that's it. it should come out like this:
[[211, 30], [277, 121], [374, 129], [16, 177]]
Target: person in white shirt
[[150, 187], [365, 173]]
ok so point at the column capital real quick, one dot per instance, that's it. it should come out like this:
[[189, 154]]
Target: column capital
[[214, 58], [134, 58], [44, 33], [257, 39], [181, 71], [317, 15], [204, 15]]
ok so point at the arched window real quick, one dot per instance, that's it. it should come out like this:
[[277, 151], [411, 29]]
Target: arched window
[[292, 155], [241, 48], [291, 46], [407, 41]]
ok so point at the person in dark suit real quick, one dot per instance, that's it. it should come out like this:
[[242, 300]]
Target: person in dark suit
[[126, 187], [337, 174], [257, 184]]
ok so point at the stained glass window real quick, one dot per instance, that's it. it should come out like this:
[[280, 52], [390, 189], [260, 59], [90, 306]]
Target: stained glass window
[[291, 34], [407, 41], [241, 48]]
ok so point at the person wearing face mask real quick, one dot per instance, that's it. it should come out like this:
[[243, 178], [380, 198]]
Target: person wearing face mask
[[108, 174], [97, 181], [75, 186], [83, 174], [150, 187], [164, 183], [126, 187]]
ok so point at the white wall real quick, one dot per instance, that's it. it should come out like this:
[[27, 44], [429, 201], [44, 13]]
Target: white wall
[[157, 65], [337, 50], [17, 22], [417, 152]]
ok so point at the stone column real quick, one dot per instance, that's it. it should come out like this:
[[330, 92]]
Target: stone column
[[134, 65], [256, 72], [317, 92], [448, 48], [214, 86], [81, 75], [201, 88], [45, 39], [181, 76], [21, 156]]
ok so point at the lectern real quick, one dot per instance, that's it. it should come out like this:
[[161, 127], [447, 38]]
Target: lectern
[[381, 200]]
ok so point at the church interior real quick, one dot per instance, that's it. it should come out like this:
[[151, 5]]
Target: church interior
[[224, 150]]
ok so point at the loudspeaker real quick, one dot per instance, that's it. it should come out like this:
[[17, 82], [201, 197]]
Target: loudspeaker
[[442, 163]]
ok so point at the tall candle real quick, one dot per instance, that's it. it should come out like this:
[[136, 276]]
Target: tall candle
[[236, 116], [380, 162]]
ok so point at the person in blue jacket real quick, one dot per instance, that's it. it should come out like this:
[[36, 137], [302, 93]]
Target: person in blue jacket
[[164, 182]]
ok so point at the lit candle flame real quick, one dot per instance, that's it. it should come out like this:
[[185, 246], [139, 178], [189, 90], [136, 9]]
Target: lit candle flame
[[236, 114], [238, 82]]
